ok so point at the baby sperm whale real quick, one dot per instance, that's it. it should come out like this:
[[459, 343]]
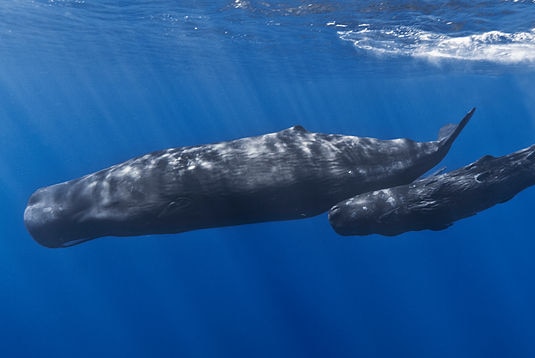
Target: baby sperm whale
[[286, 175], [436, 202]]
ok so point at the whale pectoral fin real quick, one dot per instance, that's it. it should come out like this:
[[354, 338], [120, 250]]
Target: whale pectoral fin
[[431, 177], [174, 207], [440, 227], [387, 216], [438, 172]]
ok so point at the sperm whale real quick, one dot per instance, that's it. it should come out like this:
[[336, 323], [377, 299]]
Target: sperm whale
[[285, 175], [436, 202]]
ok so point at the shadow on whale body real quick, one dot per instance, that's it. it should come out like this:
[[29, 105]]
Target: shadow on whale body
[[436, 202], [286, 175]]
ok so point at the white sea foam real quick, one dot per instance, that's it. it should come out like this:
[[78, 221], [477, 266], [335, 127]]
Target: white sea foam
[[492, 46]]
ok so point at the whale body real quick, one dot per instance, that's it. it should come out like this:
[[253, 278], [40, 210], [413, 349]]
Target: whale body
[[436, 202], [285, 175]]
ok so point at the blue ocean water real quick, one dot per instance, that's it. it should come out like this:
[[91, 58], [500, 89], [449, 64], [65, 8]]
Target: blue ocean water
[[87, 84]]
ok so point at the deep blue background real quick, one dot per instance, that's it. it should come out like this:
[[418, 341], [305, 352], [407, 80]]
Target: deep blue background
[[84, 85]]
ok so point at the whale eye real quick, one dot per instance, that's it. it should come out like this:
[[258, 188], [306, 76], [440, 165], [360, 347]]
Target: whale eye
[[175, 206]]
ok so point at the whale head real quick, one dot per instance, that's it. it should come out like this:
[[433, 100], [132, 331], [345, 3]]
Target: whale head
[[55, 222]]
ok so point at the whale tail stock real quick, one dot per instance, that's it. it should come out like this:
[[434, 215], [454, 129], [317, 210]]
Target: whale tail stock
[[448, 133]]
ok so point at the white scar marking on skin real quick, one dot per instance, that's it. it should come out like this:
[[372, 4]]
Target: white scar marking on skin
[[206, 165]]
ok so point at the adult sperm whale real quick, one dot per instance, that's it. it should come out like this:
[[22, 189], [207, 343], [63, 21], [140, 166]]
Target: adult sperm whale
[[285, 175], [436, 202]]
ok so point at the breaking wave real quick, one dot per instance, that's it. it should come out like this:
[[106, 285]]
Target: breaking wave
[[491, 46]]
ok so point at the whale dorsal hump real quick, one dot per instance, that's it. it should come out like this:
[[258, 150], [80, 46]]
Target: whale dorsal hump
[[298, 128]]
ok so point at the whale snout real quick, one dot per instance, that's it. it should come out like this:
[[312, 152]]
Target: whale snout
[[49, 221], [350, 217], [42, 219], [37, 221], [338, 219]]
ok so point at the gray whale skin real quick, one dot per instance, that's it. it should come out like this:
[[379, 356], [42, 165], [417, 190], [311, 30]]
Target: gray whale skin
[[436, 202], [285, 175]]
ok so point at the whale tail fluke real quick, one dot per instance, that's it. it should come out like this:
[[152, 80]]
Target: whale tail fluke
[[448, 133]]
